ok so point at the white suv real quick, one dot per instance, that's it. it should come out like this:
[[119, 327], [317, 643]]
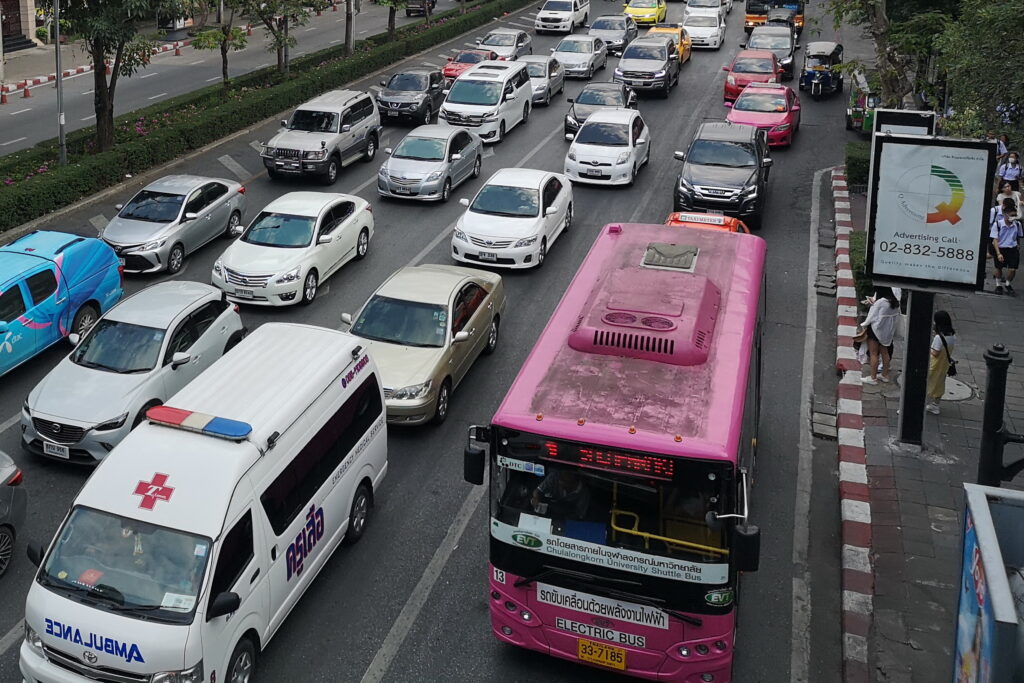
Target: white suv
[[489, 99], [562, 15], [323, 135]]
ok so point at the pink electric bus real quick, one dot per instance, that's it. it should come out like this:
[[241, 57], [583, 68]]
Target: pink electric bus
[[620, 459]]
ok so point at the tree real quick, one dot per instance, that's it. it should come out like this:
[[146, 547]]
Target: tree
[[278, 17], [225, 38], [393, 7], [349, 41], [111, 36], [891, 66]]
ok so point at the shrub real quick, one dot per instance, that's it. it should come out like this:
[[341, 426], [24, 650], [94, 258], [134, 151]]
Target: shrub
[[858, 159], [858, 254]]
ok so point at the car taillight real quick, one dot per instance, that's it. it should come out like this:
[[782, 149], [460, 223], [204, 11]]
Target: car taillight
[[236, 308], [120, 274], [369, 208], [15, 478], [241, 189]]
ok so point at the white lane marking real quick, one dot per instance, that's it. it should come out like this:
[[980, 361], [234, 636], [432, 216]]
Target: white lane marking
[[215, 78], [88, 92], [20, 111], [11, 142], [339, 20], [234, 167], [198, 61], [307, 30], [99, 221], [149, 75], [88, 118], [163, 94], [263, 66], [445, 55], [7, 424], [488, 153], [256, 146], [336, 40], [366, 31], [435, 66], [13, 636], [374, 88], [473, 45], [410, 611], [800, 653]]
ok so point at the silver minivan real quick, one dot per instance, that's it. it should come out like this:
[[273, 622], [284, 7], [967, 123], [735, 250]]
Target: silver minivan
[[429, 163]]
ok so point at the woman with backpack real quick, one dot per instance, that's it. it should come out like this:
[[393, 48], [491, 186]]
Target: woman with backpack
[[1009, 172], [941, 363]]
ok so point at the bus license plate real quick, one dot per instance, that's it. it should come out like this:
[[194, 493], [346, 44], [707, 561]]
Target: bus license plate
[[716, 212], [56, 450], [244, 293], [488, 256], [599, 653]]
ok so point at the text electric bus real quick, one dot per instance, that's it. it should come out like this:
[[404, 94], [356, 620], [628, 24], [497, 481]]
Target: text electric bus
[[620, 459]]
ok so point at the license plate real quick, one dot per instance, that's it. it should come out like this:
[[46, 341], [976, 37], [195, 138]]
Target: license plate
[[488, 256], [401, 190], [392, 113], [599, 653], [592, 171], [120, 261], [56, 450], [244, 293], [287, 166], [639, 83], [716, 212]]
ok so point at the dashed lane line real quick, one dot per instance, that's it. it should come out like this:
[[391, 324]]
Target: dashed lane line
[[234, 167], [20, 111], [163, 94], [90, 117], [11, 142], [149, 75], [215, 78], [198, 61], [99, 221]]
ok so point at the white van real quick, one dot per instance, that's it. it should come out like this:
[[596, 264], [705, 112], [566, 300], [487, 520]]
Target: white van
[[193, 540], [490, 99], [562, 15]]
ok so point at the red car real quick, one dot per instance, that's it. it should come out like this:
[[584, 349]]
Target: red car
[[751, 66], [771, 106], [463, 59]]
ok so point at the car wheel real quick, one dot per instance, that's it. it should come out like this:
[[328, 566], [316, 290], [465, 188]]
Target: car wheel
[[547, 97], [632, 176], [441, 406], [233, 222], [362, 244], [85, 318], [234, 340], [476, 167], [428, 115], [6, 548], [446, 191], [371, 149], [561, 86], [242, 665], [358, 515], [492, 337], [141, 417], [526, 113], [542, 253], [501, 132], [604, 64], [309, 287], [331, 174], [568, 218], [175, 259], [667, 90], [590, 72], [272, 174]]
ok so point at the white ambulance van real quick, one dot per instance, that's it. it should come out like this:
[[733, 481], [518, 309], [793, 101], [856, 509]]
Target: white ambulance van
[[193, 540]]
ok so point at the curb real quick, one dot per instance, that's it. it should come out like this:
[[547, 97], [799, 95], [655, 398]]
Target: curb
[[68, 73], [855, 504]]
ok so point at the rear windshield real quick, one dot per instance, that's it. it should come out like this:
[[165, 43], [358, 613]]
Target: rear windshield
[[156, 207], [609, 24], [645, 52], [604, 134], [752, 65]]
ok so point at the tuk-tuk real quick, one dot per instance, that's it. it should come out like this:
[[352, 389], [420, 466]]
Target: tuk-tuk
[[820, 73], [864, 99]]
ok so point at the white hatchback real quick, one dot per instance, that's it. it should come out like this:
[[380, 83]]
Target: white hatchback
[[293, 245], [514, 219], [609, 149]]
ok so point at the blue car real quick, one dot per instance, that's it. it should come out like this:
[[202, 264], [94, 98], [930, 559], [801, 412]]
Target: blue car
[[52, 284]]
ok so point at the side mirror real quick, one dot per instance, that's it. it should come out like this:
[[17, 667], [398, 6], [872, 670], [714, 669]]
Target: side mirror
[[673, 56], [767, 161], [35, 550], [237, 230], [191, 215], [796, 107], [570, 136], [641, 141], [383, 83], [509, 97], [456, 157], [460, 337], [179, 359], [746, 548], [725, 67], [796, 47], [446, 91], [435, 86], [118, 206], [224, 603], [728, 105], [551, 49], [464, 201], [346, 128], [743, 42], [679, 156], [325, 239], [569, 100], [346, 318], [387, 150], [74, 337], [284, 123], [550, 211], [473, 463], [479, 40]]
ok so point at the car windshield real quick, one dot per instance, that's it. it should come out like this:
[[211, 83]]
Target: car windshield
[[396, 321], [502, 200], [474, 92], [114, 346], [769, 42], [607, 24], [537, 70], [645, 52], [420, 149], [126, 565], [601, 96], [575, 46], [280, 230], [704, 3], [155, 207], [314, 121], [469, 58], [752, 65], [701, 20], [721, 153], [643, 4], [557, 6], [408, 82], [763, 102], [605, 134], [500, 39], [817, 61]]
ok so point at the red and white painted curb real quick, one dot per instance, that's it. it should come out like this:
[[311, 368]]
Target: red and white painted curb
[[855, 503], [70, 73]]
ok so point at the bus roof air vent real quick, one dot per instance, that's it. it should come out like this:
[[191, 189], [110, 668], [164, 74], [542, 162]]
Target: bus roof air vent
[[654, 312]]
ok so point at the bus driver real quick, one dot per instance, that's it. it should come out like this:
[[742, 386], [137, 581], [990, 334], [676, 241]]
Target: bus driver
[[562, 493]]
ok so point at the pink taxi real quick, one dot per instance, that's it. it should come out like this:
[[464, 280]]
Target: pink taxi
[[772, 107]]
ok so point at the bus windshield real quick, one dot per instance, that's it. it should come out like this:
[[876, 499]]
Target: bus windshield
[[580, 501]]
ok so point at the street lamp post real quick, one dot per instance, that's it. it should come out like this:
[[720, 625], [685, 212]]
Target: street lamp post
[[60, 85]]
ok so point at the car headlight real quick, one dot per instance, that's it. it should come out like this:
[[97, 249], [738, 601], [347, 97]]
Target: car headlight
[[315, 155], [435, 175], [33, 640], [267, 151], [218, 267], [24, 406], [659, 74], [570, 118], [538, 88], [525, 242], [685, 185], [623, 158], [571, 155], [491, 115], [459, 235], [442, 113], [750, 191], [291, 276], [192, 675], [154, 244], [730, 79], [383, 171], [116, 423], [780, 128], [618, 71], [412, 392]]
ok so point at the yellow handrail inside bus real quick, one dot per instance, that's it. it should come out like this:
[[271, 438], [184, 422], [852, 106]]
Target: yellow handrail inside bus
[[648, 537]]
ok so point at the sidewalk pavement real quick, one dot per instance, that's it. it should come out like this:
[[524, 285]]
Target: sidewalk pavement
[[916, 494]]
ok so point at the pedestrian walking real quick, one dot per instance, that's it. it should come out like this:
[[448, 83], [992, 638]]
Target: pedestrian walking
[[880, 326], [1006, 233], [1006, 191], [1009, 172], [941, 364]]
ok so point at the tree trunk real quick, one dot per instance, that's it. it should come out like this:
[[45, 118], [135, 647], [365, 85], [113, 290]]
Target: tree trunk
[[103, 94], [224, 46], [391, 21], [349, 45], [285, 21]]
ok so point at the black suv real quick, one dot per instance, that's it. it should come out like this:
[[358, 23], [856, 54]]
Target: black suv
[[725, 171], [414, 94]]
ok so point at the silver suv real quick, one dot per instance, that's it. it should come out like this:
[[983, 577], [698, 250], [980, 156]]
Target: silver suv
[[323, 135]]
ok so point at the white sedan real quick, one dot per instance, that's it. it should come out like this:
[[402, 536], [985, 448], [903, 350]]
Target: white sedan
[[581, 55], [514, 219], [298, 241], [706, 30], [609, 149]]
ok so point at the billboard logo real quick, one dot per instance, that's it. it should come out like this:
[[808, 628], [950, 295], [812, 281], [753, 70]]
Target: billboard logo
[[526, 540], [933, 197]]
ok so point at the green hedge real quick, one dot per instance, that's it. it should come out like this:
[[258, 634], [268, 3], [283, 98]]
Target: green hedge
[[858, 159], [858, 253], [217, 113]]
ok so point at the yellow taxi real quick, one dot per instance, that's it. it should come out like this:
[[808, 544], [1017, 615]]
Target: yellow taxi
[[679, 36], [646, 11], [706, 220]]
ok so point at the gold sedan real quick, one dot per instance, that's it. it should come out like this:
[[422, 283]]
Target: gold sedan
[[679, 36], [424, 327]]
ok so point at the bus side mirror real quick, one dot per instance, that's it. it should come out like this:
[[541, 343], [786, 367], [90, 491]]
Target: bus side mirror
[[35, 553], [473, 465], [224, 603], [746, 547]]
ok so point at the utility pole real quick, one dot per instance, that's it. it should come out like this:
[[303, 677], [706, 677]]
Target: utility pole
[[60, 85], [3, 60]]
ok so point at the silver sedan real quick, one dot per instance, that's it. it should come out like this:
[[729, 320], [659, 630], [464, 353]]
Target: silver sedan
[[581, 55], [171, 218], [429, 163], [547, 76]]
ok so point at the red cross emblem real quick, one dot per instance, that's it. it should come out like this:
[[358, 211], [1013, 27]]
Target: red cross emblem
[[152, 491]]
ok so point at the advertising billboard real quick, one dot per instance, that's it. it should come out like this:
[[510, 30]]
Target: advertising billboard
[[928, 211], [975, 629]]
